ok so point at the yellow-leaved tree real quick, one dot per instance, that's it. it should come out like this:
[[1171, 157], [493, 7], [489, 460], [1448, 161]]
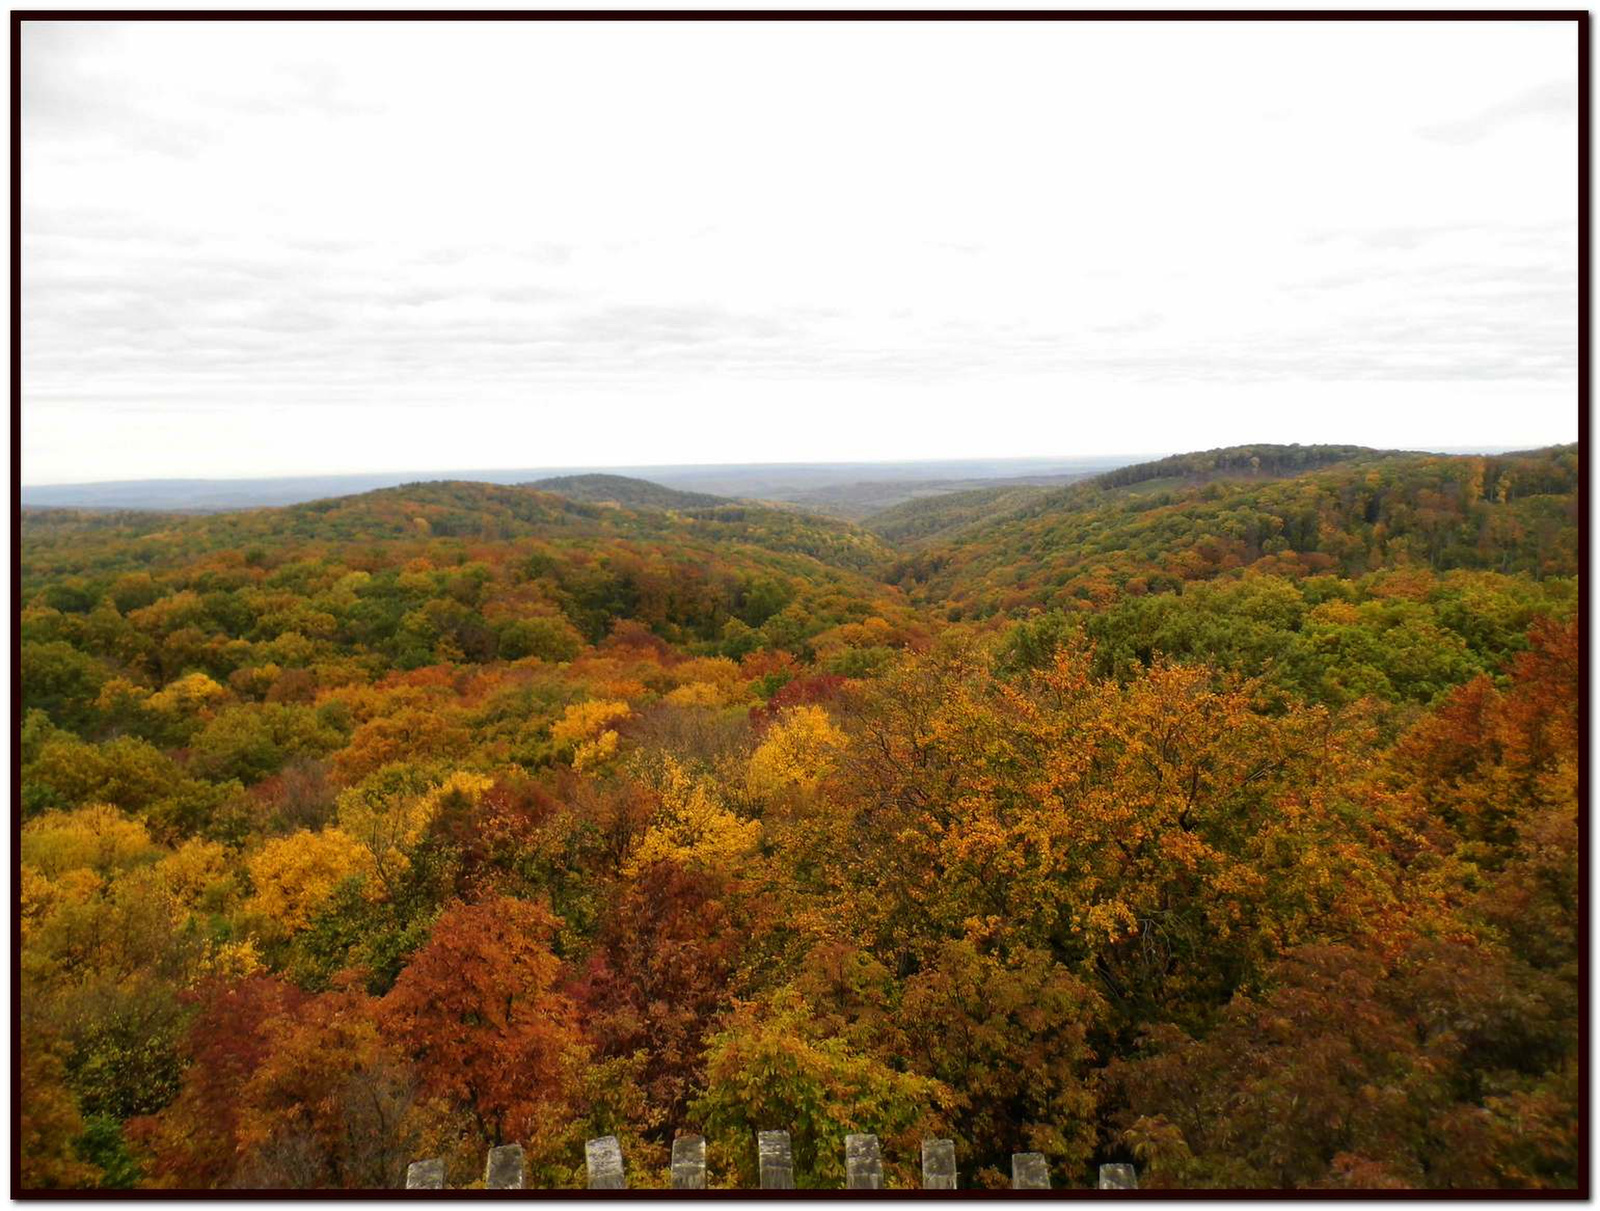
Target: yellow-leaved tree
[[296, 875], [697, 693], [692, 827], [96, 837], [797, 751], [196, 874], [187, 695], [584, 734]]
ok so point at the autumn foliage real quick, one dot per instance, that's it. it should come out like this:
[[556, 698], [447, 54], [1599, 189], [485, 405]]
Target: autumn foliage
[[1221, 817], [477, 1011]]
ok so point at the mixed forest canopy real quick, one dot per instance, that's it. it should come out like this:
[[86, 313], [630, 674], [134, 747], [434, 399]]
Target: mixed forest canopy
[[1217, 814]]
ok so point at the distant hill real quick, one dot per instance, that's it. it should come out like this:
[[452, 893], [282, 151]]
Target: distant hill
[[946, 516], [1232, 462], [1198, 517], [451, 509], [792, 482], [626, 490], [871, 498], [509, 552], [922, 519]]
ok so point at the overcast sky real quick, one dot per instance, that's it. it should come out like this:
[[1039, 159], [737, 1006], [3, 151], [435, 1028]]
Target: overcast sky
[[279, 248]]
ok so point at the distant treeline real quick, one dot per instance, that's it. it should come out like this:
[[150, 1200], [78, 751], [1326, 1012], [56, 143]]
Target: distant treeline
[[1250, 460]]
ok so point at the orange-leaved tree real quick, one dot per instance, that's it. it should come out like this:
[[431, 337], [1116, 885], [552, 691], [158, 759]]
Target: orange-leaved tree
[[330, 1104], [478, 1011], [1162, 839]]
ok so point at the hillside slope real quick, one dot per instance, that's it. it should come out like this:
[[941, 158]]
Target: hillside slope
[[376, 570], [1241, 462], [625, 490], [953, 518], [1087, 543], [928, 519]]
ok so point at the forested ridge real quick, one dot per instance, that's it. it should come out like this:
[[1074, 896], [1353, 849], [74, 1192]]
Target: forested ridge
[[1219, 815], [1133, 532], [625, 490]]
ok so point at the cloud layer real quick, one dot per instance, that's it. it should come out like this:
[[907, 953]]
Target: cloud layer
[[718, 242]]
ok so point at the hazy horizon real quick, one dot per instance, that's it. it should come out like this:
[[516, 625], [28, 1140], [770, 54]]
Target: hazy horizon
[[257, 249], [1120, 459], [585, 468]]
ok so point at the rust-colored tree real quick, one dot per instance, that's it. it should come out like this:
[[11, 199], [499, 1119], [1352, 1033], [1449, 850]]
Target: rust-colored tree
[[330, 1104], [659, 978], [478, 1011], [194, 1142]]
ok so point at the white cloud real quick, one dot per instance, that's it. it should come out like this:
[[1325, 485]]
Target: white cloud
[[267, 248]]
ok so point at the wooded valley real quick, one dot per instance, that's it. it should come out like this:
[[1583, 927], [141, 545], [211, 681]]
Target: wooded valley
[[1218, 815]]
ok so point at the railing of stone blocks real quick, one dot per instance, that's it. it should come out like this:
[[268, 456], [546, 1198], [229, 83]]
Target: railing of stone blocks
[[863, 1166]]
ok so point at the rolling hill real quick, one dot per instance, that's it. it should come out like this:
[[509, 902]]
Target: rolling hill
[[1155, 527], [626, 490], [514, 552], [927, 519]]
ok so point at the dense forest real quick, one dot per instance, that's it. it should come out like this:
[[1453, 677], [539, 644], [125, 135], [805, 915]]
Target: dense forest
[[1218, 815]]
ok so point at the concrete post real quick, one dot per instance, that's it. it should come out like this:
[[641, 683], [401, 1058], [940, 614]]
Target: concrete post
[[689, 1162], [863, 1163], [777, 1163], [1118, 1177], [1029, 1171], [504, 1170], [425, 1175], [604, 1156], [938, 1164]]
